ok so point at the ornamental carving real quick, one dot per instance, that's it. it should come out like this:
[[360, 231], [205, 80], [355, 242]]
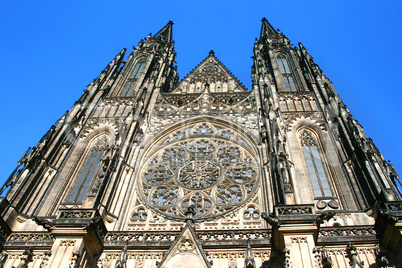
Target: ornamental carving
[[210, 176]]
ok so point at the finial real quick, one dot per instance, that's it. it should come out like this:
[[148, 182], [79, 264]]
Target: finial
[[170, 22], [264, 19], [212, 52]]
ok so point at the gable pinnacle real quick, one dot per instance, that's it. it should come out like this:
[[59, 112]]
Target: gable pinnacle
[[210, 59]]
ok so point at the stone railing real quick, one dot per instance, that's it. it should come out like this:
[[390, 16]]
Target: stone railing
[[204, 236], [77, 214], [294, 210]]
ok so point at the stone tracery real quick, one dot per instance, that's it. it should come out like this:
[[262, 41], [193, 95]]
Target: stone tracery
[[213, 175]]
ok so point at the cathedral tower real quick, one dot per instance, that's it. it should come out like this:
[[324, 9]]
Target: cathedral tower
[[149, 171]]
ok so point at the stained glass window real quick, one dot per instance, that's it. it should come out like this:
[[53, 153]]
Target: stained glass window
[[88, 172], [286, 73], [135, 74], [315, 167]]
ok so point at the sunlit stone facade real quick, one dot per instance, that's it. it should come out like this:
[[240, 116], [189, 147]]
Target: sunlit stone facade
[[149, 171]]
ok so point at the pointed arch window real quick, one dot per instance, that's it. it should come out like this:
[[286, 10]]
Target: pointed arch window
[[315, 166], [87, 174], [286, 73], [135, 74]]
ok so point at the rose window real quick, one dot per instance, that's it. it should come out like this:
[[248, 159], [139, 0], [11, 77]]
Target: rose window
[[211, 175]]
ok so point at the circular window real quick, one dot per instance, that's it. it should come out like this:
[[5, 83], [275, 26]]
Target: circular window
[[211, 175]]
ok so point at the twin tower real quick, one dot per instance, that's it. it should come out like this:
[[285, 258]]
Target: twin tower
[[149, 171]]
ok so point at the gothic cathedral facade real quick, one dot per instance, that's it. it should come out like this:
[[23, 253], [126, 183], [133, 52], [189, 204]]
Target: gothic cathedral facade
[[149, 171]]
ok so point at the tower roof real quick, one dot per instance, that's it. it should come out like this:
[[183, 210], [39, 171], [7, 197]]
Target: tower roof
[[166, 33]]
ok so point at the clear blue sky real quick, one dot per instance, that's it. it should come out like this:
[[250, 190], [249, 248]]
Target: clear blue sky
[[51, 50]]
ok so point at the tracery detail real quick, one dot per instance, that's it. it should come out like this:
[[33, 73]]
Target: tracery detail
[[212, 176]]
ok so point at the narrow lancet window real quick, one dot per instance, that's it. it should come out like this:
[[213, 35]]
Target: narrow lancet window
[[132, 80], [86, 175], [286, 73], [314, 164]]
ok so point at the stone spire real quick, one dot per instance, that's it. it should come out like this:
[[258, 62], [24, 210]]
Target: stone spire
[[166, 33], [266, 28]]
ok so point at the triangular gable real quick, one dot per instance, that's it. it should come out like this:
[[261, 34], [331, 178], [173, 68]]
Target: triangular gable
[[185, 252], [210, 76]]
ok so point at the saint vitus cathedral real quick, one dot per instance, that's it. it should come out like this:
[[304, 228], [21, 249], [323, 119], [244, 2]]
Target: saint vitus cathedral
[[149, 171]]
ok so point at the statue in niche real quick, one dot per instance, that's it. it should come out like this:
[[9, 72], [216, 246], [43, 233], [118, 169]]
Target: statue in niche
[[325, 258], [354, 260], [380, 257], [3, 258], [122, 261]]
